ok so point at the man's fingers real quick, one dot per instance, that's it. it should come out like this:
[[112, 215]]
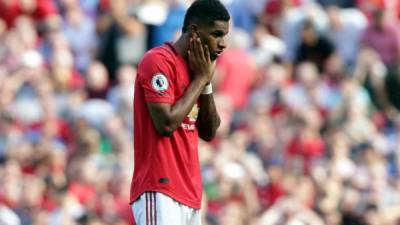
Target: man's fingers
[[199, 56], [193, 51], [197, 48], [200, 50], [191, 45]]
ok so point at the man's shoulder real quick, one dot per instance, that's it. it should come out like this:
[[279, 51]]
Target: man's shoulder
[[160, 58], [158, 53]]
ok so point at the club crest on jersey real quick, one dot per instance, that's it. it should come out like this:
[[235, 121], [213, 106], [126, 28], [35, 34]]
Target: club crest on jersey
[[159, 82], [193, 113]]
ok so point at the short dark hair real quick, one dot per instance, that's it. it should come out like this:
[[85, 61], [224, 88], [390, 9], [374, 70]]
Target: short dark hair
[[308, 24], [205, 12]]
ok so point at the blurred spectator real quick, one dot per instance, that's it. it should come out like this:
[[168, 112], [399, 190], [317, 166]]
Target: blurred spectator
[[383, 38], [305, 91], [41, 11], [242, 15], [266, 47], [306, 145], [271, 192], [80, 32], [236, 71], [170, 28], [345, 30], [289, 211], [120, 32], [313, 47], [392, 85], [63, 73], [268, 88], [292, 19], [97, 81], [274, 10], [371, 72], [369, 7], [121, 96]]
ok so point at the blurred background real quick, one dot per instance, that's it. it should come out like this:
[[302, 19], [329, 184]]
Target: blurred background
[[308, 92]]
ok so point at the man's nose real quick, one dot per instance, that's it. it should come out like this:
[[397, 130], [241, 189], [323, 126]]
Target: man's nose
[[222, 43]]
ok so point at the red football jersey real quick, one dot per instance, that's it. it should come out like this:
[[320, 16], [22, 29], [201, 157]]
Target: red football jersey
[[169, 165]]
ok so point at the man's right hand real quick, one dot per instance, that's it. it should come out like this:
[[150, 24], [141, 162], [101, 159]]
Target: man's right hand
[[166, 117], [200, 62]]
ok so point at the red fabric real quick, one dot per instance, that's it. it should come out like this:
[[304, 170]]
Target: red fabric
[[76, 80], [269, 194], [28, 168], [275, 7], [83, 192], [238, 73], [104, 5], [312, 147], [64, 131], [398, 9], [380, 120], [168, 165], [10, 12], [214, 207], [371, 4], [308, 147], [277, 110], [5, 200], [44, 9], [49, 203]]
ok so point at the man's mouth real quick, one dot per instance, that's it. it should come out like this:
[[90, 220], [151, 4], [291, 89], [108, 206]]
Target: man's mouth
[[217, 54]]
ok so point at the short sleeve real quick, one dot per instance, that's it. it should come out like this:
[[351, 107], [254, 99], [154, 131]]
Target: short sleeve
[[156, 76]]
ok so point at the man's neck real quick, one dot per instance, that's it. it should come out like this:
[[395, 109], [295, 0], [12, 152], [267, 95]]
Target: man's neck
[[182, 45]]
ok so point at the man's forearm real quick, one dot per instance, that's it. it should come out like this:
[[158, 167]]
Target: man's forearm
[[168, 118], [208, 120]]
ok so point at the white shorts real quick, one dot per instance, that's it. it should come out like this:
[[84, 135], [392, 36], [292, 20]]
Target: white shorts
[[154, 208]]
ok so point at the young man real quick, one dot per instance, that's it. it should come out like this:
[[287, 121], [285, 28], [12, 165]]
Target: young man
[[174, 106]]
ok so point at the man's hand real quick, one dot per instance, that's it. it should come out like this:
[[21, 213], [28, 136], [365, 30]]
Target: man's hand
[[200, 63], [202, 68]]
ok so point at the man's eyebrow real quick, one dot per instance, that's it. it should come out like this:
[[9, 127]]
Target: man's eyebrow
[[220, 32]]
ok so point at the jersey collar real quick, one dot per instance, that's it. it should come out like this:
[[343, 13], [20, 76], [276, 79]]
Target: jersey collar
[[169, 44]]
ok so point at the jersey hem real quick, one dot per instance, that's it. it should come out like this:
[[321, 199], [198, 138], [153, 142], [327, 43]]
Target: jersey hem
[[172, 195]]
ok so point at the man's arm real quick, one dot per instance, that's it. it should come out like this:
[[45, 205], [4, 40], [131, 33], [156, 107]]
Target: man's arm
[[167, 118], [208, 120]]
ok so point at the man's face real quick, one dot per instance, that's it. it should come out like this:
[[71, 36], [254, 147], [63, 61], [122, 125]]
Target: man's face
[[214, 37], [309, 35], [379, 20]]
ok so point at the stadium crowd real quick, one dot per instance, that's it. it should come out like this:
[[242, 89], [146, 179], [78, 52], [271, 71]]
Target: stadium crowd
[[308, 92]]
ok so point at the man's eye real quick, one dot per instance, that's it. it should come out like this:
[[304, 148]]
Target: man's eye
[[217, 34]]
